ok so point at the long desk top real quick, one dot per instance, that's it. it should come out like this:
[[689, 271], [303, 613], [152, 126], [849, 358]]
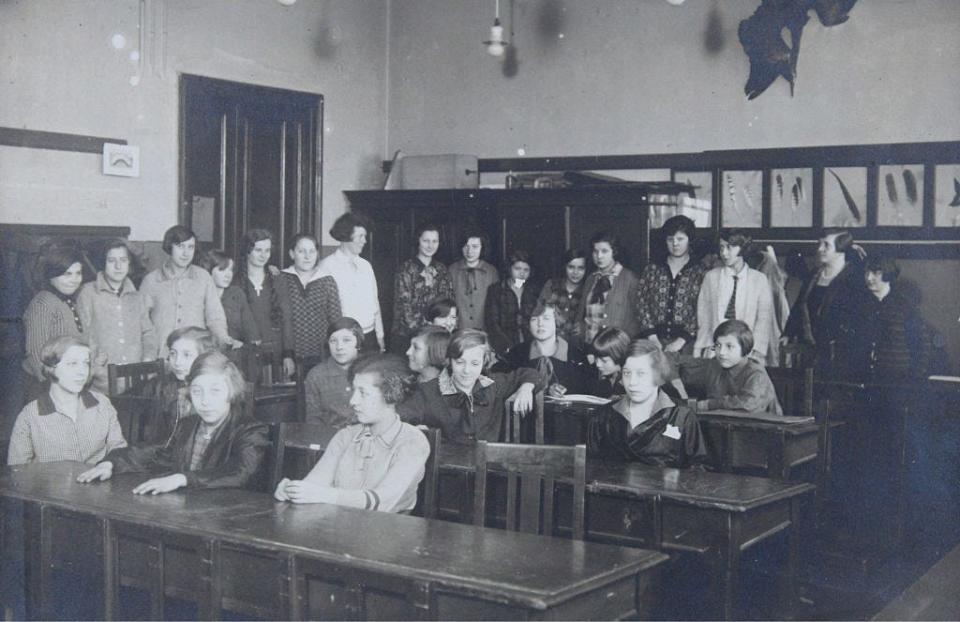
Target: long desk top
[[531, 570], [933, 596], [736, 493]]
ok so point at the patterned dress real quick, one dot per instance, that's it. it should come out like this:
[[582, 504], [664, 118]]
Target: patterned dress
[[312, 309], [667, 305], [415, 287]]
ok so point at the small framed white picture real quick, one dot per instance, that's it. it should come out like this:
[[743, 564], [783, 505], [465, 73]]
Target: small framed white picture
[[123, 160]]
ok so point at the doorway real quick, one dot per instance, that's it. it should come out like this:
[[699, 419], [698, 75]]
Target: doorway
[[250, 157]]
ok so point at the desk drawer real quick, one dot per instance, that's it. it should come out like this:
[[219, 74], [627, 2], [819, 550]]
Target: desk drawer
[[691, 529], [616, 520]]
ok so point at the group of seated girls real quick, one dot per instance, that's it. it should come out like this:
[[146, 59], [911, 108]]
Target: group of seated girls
[[205, 436]]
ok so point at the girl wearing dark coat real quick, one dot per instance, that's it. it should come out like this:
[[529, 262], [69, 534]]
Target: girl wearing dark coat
[[509, 304], [217, 447], [646, 425]]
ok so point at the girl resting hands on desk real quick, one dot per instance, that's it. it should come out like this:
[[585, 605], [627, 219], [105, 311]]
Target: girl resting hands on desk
[[375, 464], [218, 447]]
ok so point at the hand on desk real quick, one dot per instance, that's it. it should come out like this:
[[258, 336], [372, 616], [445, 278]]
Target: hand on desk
[[159, 485], [557, 390], [101, 472], [302, 491]]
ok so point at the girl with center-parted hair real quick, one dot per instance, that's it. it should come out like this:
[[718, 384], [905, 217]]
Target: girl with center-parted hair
[[464, 402], [184, 345], [116, 315], [68, 421], [218, 446], [419, 280], [509, 303], [564, 292], [375, 464], [267, 297], [314, 297], [609, 294], [53, 311], [646, 425], [180, 293]]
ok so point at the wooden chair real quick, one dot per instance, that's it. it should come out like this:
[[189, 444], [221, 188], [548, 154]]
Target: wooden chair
[[532, 473], [304, 365], [305, 437], [515, 428], [135, 391], [428, 490]]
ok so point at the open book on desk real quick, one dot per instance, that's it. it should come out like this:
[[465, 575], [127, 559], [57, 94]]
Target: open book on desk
[[579, 398]]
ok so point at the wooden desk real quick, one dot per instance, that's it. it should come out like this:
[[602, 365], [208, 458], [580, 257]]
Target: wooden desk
[[934, 596], [715, 515], [735, 443], [316, 561]]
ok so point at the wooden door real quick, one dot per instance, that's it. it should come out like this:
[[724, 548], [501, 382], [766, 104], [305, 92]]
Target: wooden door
[[250, 158]]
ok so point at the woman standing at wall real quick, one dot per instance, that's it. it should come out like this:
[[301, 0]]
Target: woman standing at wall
[[509, 304], [610, 293]]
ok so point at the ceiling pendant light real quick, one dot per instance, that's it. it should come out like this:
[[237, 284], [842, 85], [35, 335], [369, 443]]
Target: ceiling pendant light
[[496, 46]]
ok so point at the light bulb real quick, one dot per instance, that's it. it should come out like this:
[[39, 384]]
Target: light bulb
[[495, 45]]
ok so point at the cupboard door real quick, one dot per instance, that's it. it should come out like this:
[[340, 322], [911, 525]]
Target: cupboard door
[[388, 245], [627, 222], [538, 229]]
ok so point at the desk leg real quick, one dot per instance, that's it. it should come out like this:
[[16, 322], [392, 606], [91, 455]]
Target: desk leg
[[788, 592], [35, 579], [210, 603], [729, 570], [777, 467], [110, 580]]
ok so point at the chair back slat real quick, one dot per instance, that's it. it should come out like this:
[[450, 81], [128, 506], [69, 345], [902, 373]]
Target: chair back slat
[[304, 365], [514, 421], [532, 472], [427, 491], [134, 390], [308, 437]]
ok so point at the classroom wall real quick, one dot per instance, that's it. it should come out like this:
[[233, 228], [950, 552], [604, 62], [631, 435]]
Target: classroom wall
[[634, 77], [67, 67]]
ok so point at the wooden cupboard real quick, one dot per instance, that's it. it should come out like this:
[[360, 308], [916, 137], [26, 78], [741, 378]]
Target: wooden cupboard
[[545, 222]]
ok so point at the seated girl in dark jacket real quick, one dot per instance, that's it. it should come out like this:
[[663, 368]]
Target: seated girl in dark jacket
[[646, 425], [562, 365], [462, 401], [217, 447]]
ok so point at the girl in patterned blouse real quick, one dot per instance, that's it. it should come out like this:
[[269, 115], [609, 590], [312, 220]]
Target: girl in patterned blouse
[[377, 463], [314, 297], [564, 292], [419, 280]]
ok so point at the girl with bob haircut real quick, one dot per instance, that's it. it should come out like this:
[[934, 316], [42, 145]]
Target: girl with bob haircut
[[427, 353], [216, 447], [420, 279], [565, 291], [442, 312], [53, 311], [241, 325], [646, 425], [465, 403], [184, 345], [267, 296], [314, 297], [180, 293], [327, 385], [609, 350], [68, 421], [561, 365], [609, 294], [115, 314], [667, 297], [509, 303], [375, 464]]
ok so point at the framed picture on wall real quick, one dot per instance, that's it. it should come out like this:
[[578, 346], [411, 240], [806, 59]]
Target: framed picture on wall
[[900, 195], [698, 203], [741, 199], [791, 197], [946, 196], [844, 196]]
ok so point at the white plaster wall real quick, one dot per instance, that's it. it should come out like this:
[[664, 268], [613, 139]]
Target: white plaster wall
[[635, 76], [59, 71]]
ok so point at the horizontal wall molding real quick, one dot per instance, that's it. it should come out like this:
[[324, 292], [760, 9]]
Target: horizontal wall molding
[[35, 139]]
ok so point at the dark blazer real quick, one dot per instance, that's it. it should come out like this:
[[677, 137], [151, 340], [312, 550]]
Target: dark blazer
[[573, 373], [231, 460], [507, 322]]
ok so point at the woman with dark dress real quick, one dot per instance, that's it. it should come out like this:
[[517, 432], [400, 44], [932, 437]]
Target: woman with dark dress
[[267, 296], [509, 303], [646, 425], [314, 298], [419, 280], [564, 292], [218, 446]]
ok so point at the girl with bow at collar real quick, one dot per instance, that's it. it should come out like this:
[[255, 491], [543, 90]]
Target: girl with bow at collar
[[610, 293]]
